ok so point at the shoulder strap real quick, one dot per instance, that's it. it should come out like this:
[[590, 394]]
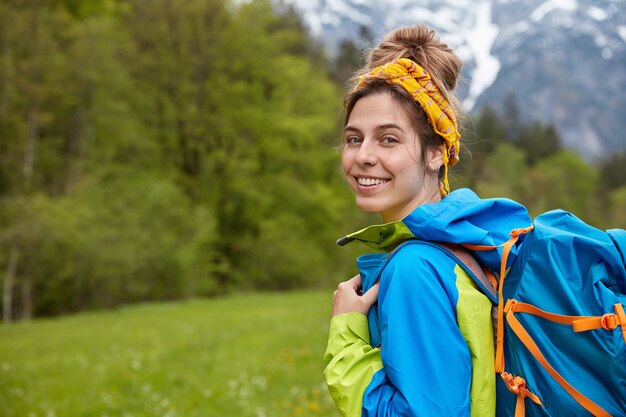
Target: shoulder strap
[[467, 262]]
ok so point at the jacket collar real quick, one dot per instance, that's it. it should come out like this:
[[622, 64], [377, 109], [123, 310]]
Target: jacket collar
[[459, 218], [383, 237]]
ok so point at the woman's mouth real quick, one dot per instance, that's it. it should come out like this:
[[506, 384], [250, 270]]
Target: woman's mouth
[[370, 181]]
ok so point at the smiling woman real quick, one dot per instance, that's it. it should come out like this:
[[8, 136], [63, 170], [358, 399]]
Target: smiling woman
[[411, 335], [381, 159]]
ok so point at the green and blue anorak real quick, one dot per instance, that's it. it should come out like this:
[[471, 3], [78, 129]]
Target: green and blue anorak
[[426, 348]]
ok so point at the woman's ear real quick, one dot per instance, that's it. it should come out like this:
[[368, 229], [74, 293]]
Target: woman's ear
[[434, 157]]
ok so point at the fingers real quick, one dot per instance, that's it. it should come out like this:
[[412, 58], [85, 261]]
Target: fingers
[[370, 297], [356, 278], [348, 298], [353, 284]]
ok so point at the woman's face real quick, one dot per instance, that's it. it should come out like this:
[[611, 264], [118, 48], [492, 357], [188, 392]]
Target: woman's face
[[382, 159]]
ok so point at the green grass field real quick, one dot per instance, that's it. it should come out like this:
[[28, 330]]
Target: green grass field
[[249, 355]]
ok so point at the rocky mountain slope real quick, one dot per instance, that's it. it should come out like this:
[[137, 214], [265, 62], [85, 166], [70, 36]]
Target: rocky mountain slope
[[564, 60]]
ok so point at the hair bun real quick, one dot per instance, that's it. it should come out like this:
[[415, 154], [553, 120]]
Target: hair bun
[[420, 44]]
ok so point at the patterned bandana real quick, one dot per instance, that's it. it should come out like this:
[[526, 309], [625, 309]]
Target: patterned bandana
[[417, 82]]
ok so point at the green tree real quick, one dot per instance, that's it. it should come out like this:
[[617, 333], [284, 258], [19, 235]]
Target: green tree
[[615, 215], [505, 174], [480, 138], [612, 172], [73, 149], [284, 119], [238, 105], [539, 141], [564, 181], [33, 109], [511, 117], [349, 59]]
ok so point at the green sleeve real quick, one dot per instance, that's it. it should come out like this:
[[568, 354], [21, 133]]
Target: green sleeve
[[350, 362]]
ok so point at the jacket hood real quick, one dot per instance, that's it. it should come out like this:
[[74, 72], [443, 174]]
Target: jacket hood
[[460, 218]]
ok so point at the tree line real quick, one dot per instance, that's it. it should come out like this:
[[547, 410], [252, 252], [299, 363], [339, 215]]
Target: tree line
[[165, 149], [525, 161]]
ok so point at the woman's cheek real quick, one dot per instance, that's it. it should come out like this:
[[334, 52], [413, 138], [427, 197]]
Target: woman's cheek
[[346, 162]]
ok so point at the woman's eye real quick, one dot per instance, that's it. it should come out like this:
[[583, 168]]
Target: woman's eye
[[387, 140], [353, 139]]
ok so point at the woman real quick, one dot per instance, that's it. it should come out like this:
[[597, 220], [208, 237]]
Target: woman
[[411, 335]]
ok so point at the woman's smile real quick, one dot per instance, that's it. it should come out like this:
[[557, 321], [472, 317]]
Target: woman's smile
[[366, 181]]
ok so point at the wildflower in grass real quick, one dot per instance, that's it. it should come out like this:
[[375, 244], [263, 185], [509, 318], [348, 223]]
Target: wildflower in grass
[[312, 406], [260, 382]]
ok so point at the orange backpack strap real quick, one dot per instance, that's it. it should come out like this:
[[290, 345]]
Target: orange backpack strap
[[513, 307], [517, 385], [607, 321], [506, 250]]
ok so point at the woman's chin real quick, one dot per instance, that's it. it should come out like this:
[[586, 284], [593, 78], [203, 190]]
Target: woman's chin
[[368, 206]]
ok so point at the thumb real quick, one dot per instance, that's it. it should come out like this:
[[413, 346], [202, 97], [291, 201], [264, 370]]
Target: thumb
[[370, 297]]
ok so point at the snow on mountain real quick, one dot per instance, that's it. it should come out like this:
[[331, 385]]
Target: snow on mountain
[[466, 24], [480, 40], [565, 60], [551, 5]]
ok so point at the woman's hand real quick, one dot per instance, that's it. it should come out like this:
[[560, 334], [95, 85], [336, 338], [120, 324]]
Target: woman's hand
[[348, 298]]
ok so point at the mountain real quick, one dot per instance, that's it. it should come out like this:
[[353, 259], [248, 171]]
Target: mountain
[[563, 60]]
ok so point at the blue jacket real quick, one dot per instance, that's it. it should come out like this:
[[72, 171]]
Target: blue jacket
[[426, 347]]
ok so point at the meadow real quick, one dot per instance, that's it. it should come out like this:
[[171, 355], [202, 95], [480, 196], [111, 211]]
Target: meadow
[[247, 355]]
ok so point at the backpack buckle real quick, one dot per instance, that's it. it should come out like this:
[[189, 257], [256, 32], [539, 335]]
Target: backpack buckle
[[517, 385], [608, 321]]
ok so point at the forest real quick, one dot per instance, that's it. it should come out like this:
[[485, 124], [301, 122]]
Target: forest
[[172, 149]]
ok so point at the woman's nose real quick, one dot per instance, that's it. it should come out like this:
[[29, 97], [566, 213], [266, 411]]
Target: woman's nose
[[366, 154]]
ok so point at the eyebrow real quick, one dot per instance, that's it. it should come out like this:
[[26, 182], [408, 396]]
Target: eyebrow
[[380, 127]]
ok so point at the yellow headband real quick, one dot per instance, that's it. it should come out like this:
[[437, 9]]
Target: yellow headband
[[417, 82]]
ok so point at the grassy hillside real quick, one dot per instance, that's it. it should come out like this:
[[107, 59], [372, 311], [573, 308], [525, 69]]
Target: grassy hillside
[[250, 355]]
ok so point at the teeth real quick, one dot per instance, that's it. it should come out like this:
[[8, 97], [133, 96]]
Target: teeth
[[370, 181]]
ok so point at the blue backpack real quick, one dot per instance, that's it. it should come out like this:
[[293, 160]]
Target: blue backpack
[[561, 327]]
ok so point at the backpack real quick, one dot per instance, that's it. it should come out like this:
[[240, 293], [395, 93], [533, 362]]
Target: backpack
[[561, 327]]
